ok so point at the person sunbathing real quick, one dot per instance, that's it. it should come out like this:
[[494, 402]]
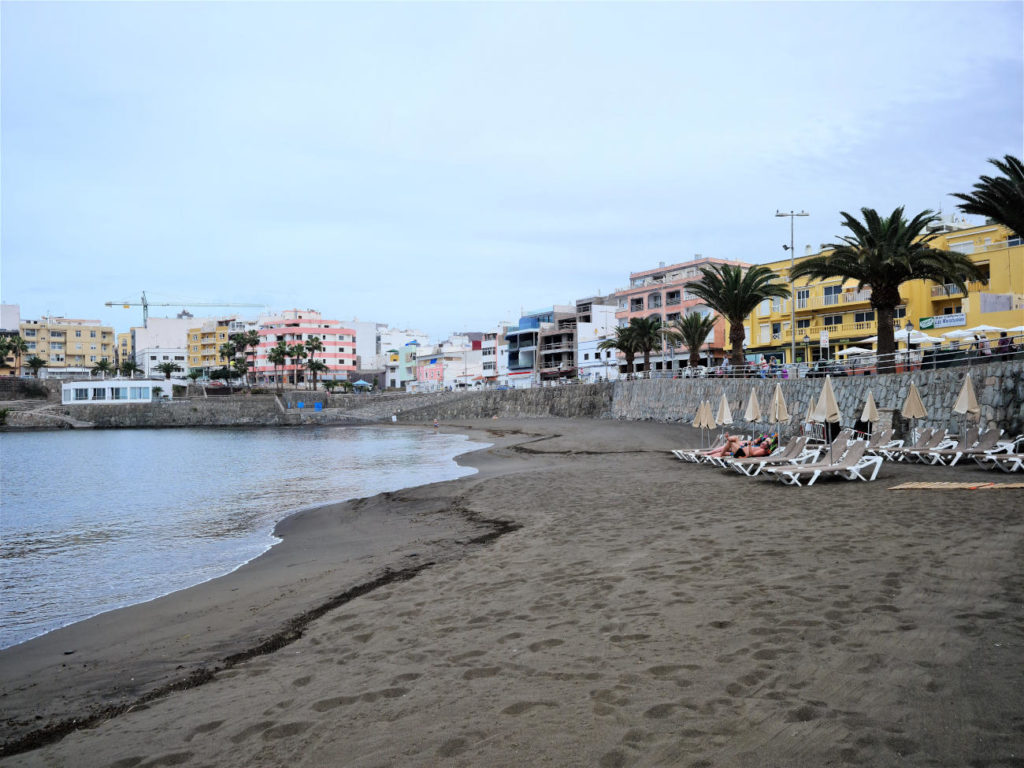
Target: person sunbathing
[[736, 446]]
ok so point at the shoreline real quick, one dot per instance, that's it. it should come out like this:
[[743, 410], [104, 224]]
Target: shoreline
[[268, 542], [642, 611]]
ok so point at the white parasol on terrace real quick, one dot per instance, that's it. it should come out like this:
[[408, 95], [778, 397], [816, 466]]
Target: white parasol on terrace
[[985, 329], [855, 351]]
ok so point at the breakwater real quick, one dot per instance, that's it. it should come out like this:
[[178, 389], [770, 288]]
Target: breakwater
[[999, 388]]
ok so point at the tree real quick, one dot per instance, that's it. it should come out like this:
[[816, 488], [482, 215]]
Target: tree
[[228, 350], [646, 332], [734, 294], [314, 367], [330, 385], [278, 356], [168, 368], [129, 368], [624, 342], [241, 366], [195, 374], [296, 352], [883, 252], [35, 363], [1001, 198], [244, 341], [18, 347], [103, 367], [690, 331], [314, 345]]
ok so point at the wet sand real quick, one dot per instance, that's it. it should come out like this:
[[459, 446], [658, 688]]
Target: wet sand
[[635, 610]]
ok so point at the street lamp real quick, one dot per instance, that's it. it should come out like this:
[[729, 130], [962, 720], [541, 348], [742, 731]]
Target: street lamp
[[807, 349], [792, 298]]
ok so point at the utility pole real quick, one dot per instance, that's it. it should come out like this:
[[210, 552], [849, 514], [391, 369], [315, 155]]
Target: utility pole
[[792, 292]]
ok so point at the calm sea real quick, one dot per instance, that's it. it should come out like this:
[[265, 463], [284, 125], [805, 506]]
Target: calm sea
[[96, 520]]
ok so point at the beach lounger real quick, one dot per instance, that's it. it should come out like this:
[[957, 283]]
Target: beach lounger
[[986, 443], [940, 440], [893, 454], [1007, 446], [794, 452], [941, 455], [1009, 462], [882, 440], [852, 466], [693, 454], [930, 438]]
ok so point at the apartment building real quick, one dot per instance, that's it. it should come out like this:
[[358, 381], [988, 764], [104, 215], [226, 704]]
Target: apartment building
[[662, 292], [204, 343], [69, 346], [297, 326], [833, 314]]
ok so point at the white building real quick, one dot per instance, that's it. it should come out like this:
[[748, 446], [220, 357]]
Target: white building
[[163, 340], [117, 391]]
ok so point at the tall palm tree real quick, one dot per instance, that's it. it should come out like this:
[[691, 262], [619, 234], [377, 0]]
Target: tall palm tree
[[244, 341], [734, 294], [278, 357], [296, 352], [624, 342], [314, 345], [19, 347], [884, 252], [1001, 198], [5, 349], [646, 333], [690, 331], [314, 367], [241, 366]]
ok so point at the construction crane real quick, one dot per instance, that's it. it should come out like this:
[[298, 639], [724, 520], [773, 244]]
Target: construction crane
[[146, 304]]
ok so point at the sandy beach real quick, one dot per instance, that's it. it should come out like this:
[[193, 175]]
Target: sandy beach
[[584, 600]]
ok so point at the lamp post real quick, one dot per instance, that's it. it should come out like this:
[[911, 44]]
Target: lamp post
[[792, 299], [807, 350]]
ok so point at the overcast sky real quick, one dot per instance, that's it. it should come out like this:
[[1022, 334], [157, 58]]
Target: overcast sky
[[443, 165]]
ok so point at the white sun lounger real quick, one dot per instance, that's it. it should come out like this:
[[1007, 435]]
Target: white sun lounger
[[852, 466]]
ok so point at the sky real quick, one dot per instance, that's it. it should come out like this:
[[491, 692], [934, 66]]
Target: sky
[[444, 166]]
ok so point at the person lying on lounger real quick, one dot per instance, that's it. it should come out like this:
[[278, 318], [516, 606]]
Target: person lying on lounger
[[735, 446]]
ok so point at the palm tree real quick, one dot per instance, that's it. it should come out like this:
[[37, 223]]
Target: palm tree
[[129, 368], [5, 349], [296, 352], [690, 331], [278, 356], [623, 342], [168, 368], [241, 365], [195, 374], [883, 253], [35, 363], [18, 346], [330, 385], [646, 333], [103, 367], [228, 350], [734, 294], [1000, 199], [244, 341], [313, 345], [314, 367]]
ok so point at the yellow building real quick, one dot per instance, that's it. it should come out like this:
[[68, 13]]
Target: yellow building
[[66, 343], [125, 348], [837, 309], [204, 344]]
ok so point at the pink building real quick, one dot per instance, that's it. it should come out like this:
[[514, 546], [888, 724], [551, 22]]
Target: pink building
[[297, 326]]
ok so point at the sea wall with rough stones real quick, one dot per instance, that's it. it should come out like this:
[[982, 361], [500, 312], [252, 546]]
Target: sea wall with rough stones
[[999, 388]]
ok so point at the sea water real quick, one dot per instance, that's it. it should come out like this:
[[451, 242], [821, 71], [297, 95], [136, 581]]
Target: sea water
[[96, 520]]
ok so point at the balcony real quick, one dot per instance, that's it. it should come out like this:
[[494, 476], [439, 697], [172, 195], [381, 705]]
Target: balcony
[[835, 300], [946, 291]]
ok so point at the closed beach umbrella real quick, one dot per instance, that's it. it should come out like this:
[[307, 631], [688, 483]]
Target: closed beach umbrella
[[870, 412], [709, 415], [777, 412], [913, 408], [724, 414], [967, 403], [753, 412], [698, 417], [828, 409]]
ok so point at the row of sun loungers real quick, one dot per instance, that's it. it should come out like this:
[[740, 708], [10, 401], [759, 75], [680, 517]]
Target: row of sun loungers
[[857, 459]]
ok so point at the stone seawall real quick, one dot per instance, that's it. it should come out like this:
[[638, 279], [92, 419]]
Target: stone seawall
[[999, 388]]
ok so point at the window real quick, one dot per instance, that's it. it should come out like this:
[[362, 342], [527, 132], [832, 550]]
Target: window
[[92, 347], [671, 317], [764, 307], [152, 357], [766, 333], [78, 347], [776, 304], [56, 345], [99, 393], [81, 393], [832, 295], [864, 317], [179, 357], [899, 312], [803, 324], [30, 333], [78, 334], [672, 298], [954, 310], [776, 331], [654, 301], [92, 334], [636, 305], [832, 320], [119, 393], [31, 346], [139, 393], [92, 358]]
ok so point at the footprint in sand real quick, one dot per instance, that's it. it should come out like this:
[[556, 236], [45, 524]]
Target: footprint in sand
[[540, 645], [521, 707]]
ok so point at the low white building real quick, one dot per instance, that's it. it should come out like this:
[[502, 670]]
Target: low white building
[[117, 391]]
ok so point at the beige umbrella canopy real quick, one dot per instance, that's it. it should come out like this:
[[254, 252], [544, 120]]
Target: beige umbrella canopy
[[913, 408], [870, 412], [777, 411], [967, 403], [827, 404], [698, 417], [753, 412], [709, 416], [724, 414]]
